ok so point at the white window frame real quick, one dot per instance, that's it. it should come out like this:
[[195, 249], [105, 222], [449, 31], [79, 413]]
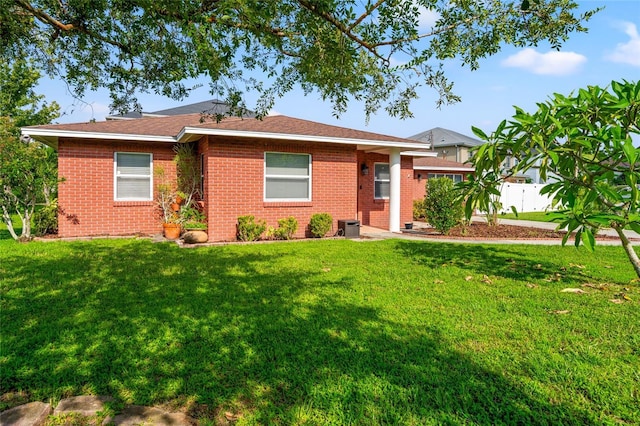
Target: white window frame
[[375, 179], [296, 178], [115, 177], [452, 176]]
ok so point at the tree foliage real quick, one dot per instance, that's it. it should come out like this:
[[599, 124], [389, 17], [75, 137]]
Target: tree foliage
[[583, 146], [28, 170], [378, 51]]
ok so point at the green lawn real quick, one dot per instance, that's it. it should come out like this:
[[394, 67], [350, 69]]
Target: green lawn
[[535, 216], [326, 332]]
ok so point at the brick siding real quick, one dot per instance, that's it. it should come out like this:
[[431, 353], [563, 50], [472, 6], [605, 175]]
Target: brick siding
[[234, 186]]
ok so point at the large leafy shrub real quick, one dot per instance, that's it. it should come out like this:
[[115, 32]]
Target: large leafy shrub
[[443, 210]]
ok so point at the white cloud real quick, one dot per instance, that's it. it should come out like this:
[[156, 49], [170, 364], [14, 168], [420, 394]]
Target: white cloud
[[550, 63], [629, 52], [427, 18]]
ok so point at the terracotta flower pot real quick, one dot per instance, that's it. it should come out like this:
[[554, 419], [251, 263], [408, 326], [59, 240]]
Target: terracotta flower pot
[[175, 207], [171, 231], [179, 199]]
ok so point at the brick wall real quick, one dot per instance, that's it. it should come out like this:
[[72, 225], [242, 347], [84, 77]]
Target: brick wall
[[86, 196], [375, 212], [235, 179], [234, 186]]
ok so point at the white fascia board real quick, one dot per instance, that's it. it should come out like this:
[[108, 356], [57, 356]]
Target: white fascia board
[[184, 135], [420, 153], [445, 169], [35, 132]]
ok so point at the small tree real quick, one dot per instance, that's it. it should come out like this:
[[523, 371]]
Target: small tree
[[581, 143], [443, 210], [28, 170]]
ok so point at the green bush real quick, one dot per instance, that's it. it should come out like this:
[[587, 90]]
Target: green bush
[[249, 230], [418, 210], [285, 230], [320, 224], [443, 210], [45, 220]]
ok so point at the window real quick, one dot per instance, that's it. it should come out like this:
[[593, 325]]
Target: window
[[454, 177], [381, 180], [287, 177], [133, 176]]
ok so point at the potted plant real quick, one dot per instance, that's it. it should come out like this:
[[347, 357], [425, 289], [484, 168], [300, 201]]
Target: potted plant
[[170, 218]]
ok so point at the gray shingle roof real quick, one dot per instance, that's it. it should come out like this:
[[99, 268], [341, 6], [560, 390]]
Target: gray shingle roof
[[211, 106], [440, 137]]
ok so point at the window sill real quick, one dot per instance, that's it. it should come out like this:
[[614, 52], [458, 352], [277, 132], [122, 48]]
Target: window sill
[[380, 200], [287, 204], [133, 203]]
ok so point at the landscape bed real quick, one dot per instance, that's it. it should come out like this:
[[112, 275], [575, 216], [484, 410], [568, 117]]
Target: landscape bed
[[326, 332]]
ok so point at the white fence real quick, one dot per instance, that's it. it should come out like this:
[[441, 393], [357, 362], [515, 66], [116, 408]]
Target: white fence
[[525, 197]]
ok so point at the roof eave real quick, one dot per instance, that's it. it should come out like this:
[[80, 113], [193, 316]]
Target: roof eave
[[445, 168], [51, 136], [187, 134]]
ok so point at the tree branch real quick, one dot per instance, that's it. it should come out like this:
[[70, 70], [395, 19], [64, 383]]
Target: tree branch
[[341, 27], [59, 26], [44, 17], [364, 15]]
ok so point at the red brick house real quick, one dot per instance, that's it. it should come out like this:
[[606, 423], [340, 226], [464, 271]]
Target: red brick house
[[273, 168], [433, 167]]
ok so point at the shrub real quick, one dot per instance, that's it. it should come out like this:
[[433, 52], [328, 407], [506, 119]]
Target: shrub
[[442, 208], [45, 220], [248, 229], [320, 224], [285, 230], [418, 209]]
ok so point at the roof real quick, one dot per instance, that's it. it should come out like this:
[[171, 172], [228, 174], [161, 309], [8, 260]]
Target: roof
[[211, 106], [440, 137], [439, 164], [190, 127]]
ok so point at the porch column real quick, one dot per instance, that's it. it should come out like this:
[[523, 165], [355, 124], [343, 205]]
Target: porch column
[[394, 190]]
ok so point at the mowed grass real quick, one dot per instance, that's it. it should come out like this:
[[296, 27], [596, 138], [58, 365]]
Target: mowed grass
[[534, 216], [326, 332]]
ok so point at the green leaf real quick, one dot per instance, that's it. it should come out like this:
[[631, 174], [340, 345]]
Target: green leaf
[[479, 133], [630, 152], [588, 240], [514, 210], [635, 226]]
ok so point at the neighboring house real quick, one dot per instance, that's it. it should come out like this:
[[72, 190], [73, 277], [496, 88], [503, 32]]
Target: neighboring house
[[453, 146], [211, 107], [448, 145], [271, 168], [433, 167]]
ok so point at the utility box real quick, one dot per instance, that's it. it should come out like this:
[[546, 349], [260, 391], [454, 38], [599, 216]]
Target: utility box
[[349, 228]]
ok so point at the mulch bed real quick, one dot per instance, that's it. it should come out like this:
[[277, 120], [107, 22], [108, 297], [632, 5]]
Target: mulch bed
[[479, 230]]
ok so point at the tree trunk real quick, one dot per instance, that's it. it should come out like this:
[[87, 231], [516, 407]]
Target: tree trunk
[[631, 253], [6, 217]]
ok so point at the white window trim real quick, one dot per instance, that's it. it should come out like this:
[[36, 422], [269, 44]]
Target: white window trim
[[115, 176], [380, 180], [285, 200]]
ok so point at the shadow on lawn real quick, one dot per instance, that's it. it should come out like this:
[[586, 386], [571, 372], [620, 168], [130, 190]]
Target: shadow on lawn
[[238, 330], [491, 260]]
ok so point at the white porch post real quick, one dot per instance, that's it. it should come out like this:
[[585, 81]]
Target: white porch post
[[394, 190]]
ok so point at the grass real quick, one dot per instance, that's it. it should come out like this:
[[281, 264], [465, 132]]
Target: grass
[[534, 216], [326, 332]]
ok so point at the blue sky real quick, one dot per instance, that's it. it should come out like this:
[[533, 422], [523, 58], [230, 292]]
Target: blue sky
[[522, 77]]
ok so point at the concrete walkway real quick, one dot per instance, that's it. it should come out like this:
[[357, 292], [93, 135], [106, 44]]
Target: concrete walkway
[[371, 233], [90, 409]]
